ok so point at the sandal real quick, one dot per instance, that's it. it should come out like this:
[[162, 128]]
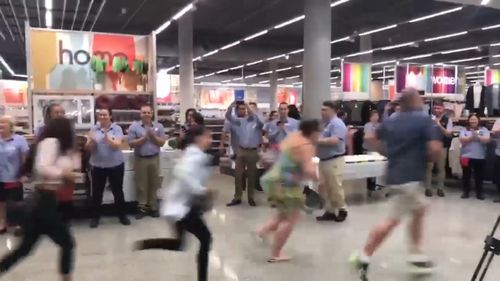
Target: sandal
[[279, 259]]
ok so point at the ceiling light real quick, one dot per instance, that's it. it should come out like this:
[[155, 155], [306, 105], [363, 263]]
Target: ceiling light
[[237, 67], [464, 60], [473, 66], [171, 68], [275, 57], [255, 62], [498, 63], [196, 78], [197, 58], [491, 27], [384, 62], [230, 45], [6, 66], [334, 4], [183, 11], [251, 76], [334, 77], [288, 22], [222, 71], [485, 2], [162, 27], [496, 56], [238, 79], [48, 4], [397, 46], [281, 79], [283, 69], [264, 82], [335, 70], [475, 77], [20, 75], [495, 44], [296, 51], [459, 50], [417, 57], [341, 39], [335, 58], [384, 77], [265, 73], [298, 66], [475, 72], [256, 35], [226, 81], [446, 36], [436, 14], [378, 29], [210, 74], [359, 53], [293, 77], [211, 53], [378, 71], [48, 19]]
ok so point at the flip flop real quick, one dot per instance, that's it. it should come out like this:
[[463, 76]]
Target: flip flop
[[279, 259]]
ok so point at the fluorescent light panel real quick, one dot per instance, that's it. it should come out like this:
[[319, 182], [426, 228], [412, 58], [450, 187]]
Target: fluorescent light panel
[[254, 63], [288, 22], [464, 60], [211, 53], [475, 72], [251, 76], [255, 35], [6, 66], [494, 44], [379, 29], [48, 19], [283, 69], [183, 11], [359, 54], [384, 62], [340, 39], [48, 4], [222, 71], [236, 67], [446, 36], [418, 57], [230, 45], [473, 66], [296, 51], [397, 46], [264, 82], [485, 2], [293, 77], [275, 57], [459, 50], [491, 27], [436, 14], [340, 2]]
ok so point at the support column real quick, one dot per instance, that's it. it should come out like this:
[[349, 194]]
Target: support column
[[317, 53], [186, 64], [273, 83]]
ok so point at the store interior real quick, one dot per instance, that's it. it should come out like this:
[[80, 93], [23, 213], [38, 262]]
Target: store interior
[[179, 54]]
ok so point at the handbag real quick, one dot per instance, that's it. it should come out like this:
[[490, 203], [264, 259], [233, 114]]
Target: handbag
[[464, 161]]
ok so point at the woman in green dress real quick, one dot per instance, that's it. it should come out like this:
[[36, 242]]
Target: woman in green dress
[[283, 185]]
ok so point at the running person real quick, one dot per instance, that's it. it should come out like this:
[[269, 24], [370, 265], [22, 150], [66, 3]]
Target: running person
[[411, 140], [283, 185], [187, 199]]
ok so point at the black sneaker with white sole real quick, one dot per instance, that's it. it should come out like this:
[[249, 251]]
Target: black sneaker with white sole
[[360, 266]]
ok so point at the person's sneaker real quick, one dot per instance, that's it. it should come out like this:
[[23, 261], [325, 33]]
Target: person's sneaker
[[342, 215], [464, 195], [252, 203], [327, 216], [480, 196], [124, 220], [360, 266], [140, 214], [94, 223], [234, 202], [440, 193], [420, 264], [428, 192], [154, 214]]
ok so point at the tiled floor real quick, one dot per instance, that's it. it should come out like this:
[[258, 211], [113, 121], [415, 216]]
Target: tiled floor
[[455, 233]]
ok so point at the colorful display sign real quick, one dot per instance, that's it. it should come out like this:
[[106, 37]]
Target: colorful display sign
[[62, 60], [492, 76], [427, 79], [13, 93], [356, 77]]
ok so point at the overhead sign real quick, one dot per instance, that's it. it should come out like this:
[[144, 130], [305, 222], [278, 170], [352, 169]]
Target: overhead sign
[[427, 79]]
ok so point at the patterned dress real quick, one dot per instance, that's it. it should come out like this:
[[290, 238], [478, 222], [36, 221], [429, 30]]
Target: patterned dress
[[282, 182]]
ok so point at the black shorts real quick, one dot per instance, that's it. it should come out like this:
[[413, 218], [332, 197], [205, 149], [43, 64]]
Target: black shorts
[[11, 194]]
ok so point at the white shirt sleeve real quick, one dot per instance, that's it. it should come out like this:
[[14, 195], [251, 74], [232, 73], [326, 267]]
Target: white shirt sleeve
[[46, 157], [185, 172]]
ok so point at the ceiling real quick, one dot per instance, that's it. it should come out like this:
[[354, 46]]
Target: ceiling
[[218, 23]]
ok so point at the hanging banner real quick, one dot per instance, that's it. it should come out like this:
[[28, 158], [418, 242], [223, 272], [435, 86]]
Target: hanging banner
[[68, 60], [427, 79], [492, 76], [356, 79]]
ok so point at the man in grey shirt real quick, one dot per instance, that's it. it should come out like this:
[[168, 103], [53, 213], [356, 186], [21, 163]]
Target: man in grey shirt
[[411, 139], [248, 127]]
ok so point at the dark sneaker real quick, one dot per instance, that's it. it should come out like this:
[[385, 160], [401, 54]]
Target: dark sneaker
[[327, 216], [428, 192], [124, 220], [140, 214], [360, 266], [464, 195], [341, 216], [480, 196], [440, 193], [421, 265], [94, 223], [154, 214], [234, 202], [252, 203]]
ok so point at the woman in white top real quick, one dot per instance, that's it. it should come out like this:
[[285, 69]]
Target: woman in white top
[[187, 198], [54, 167]]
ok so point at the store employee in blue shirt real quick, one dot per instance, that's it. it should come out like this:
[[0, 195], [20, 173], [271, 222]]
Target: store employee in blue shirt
[[277, 130], [13, 152], [146, 137], [106, 159], [248, 127], [331, 151]]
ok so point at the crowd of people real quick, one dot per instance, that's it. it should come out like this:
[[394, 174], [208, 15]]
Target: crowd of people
[[302, 150]]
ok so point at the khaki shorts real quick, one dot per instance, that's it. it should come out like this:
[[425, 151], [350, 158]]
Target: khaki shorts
[[408, 198]]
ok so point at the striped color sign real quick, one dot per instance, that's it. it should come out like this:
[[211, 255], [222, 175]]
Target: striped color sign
[[356, 77]]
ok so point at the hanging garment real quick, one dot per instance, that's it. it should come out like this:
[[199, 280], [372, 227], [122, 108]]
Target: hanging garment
[[471, 102], [366, 109], [492, 101], [454, 157]]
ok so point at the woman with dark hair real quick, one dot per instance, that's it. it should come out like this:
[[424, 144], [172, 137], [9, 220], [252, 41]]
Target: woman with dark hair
[[104, 143], [195, 119], [283, 181], [52, 111], [54, 167], [187, 198], [473, 155], [293, 112]]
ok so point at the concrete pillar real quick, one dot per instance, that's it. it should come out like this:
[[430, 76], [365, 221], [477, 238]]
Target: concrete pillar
[[273, 83], [317, 53], [186, 64]]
